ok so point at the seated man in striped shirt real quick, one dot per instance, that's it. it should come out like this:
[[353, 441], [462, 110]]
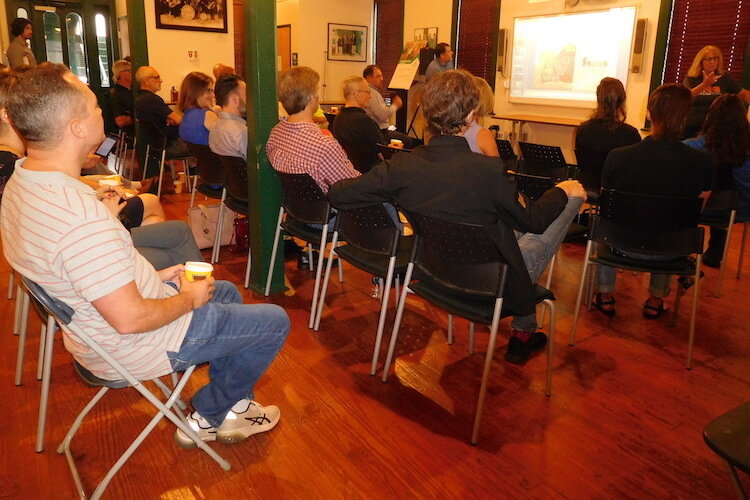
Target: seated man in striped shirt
[[296, 144], [56, 232]]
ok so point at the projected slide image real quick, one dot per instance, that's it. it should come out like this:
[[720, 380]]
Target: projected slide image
[[563, 57]]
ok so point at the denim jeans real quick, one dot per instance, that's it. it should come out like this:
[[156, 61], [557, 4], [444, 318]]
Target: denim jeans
[[238, 341], [658, 286], [538, 250]]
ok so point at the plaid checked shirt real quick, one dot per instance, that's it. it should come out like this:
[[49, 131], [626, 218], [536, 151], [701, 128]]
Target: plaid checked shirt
[[301, 148]]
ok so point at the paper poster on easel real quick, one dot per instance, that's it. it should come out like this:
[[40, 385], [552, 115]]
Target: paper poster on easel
[[408, 64]]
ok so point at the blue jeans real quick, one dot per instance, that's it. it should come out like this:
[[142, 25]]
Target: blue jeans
[[658, 286], [238, 341], [538, 250]]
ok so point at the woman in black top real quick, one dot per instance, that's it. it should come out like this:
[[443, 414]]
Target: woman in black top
[[707, 80], [605, 131]]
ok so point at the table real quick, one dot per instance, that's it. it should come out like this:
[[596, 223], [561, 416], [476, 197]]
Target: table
[[522, 119]]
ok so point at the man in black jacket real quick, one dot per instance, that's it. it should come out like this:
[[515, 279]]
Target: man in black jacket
[[446, 180]]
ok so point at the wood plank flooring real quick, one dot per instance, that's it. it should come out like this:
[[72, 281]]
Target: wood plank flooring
[[625, 419]]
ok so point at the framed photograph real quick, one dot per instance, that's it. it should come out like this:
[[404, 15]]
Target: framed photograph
[[192, 15], [347, 42], [432, 37]]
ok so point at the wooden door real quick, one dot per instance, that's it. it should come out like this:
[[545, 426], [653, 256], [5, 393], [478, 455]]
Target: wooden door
[[284, 47]]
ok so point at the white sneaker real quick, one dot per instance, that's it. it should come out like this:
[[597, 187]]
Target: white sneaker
[[201, 427], [245, 419]]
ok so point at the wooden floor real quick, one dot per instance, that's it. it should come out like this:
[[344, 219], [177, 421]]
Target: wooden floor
[[625, 419]]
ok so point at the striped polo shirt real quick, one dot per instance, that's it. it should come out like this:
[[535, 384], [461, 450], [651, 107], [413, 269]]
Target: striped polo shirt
[[57, 233]]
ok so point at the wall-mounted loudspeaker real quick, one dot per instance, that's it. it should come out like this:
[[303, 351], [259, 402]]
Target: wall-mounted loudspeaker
[[638, 46], [502, 49]]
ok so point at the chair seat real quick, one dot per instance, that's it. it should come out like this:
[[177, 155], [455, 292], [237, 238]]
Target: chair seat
[[729, 436], [476, 308], [301, 230], [239, 206], [378, 264], [681, 266], [94, 381], [180, 156], [209, 191]]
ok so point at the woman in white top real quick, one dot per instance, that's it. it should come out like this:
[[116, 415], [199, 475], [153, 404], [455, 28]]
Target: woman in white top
[[480, 139]]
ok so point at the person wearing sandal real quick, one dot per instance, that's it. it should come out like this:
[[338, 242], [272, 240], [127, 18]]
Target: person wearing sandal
[[659, 165]]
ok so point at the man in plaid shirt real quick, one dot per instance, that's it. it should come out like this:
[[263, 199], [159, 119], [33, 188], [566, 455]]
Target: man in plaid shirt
[[296, 145]]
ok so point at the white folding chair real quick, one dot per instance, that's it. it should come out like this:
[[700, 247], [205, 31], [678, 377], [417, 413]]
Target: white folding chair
[[63, 314]]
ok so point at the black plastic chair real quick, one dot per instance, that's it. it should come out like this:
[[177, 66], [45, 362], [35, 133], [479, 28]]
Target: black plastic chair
[[720, 212], [63, 315], [728, 435], [374, 243], [236, 198], [304, 205], [156, 148], [663, 226], [505, 148], [210, 173], [457, 267], [590, 165]]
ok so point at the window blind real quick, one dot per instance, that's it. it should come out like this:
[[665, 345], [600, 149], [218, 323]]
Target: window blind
[[477, 28], [389, 35]]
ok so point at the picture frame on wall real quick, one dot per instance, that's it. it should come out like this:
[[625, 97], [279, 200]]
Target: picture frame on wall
[[427, 35], [347, 42], [192, 15]]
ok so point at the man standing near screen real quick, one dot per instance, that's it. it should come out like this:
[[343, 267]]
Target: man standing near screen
[[443, 61]]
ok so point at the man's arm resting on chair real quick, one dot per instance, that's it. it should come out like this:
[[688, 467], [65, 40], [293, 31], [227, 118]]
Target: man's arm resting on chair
[[128, 312]]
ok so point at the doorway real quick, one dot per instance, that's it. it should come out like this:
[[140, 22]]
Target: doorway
[[284, 47]]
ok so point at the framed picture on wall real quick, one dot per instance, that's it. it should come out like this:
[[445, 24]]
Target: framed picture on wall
[[347, 42], [427, 35], [192, 15]]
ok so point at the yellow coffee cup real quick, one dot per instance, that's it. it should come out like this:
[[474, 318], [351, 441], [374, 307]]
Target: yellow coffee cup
[[195, 271], [395, 143]]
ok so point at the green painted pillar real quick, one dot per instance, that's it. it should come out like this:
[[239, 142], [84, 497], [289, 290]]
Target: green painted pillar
[[139, 55], [262, 114]]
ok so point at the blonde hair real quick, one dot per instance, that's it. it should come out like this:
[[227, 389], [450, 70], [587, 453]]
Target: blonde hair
[[296, 87], [119, 66], [486, 97], [351, 85], [696, 69]]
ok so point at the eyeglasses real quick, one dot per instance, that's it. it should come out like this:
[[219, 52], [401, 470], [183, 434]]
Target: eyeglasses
[[712, 58]]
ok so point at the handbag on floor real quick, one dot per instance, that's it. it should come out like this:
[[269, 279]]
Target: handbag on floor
[[203, 219]]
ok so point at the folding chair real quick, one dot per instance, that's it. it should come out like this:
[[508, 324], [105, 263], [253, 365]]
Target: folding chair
[[303, 208], [157, 147], [374, 243], [664, 226], [457, 267], [63, 314]]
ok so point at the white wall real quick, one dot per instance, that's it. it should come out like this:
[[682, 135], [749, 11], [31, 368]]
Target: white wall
[[168, 49], [287, 12], [637, 85], [428, 14]]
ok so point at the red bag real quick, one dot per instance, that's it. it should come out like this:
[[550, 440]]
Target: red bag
[[241, 238]]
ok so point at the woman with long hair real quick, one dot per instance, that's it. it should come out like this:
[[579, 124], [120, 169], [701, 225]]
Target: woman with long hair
[[707, 80], [198, 105], [480, 139], [726, 135]]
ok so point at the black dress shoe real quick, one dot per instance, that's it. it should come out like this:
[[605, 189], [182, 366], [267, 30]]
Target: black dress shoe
[[519, 351]]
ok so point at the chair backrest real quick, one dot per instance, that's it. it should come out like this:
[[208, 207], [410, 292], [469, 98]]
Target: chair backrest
[[371, 229], [303, 199], [210, 169], [235, 172], [154, 135], [539, 155], [723, 201], [62, 312], [360, 155], [661, 225], [590, 165], [532, 186], [505, 149], [458, 256]]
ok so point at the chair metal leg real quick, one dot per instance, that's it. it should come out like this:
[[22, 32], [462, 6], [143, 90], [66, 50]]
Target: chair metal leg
[[577, 310], [40, 359], [383, 315], [216, 250], [550, 345], [486, 370], [49, 343], [19, 306], [696, 293], [471, 337], [11, 280], [547, 285], [324, 284], [450, 329], [161, 173], [23, 323], [742, 250], [397, 322], [723, 266], [741, 494], [248, 266], [267, 291], [318, 273]]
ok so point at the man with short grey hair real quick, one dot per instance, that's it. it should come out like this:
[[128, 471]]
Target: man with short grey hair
[[357, 133], [121, 96]]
